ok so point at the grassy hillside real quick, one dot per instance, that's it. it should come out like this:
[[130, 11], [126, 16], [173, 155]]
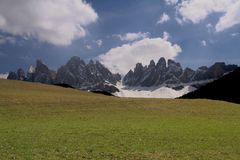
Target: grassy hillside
[[47, 122]]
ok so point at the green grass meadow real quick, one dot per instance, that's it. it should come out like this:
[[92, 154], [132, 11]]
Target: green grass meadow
[[43, 122]]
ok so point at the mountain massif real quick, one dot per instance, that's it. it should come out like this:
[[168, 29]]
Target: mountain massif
[[76, 73], [91, 76], [170, 73], [156, 78]]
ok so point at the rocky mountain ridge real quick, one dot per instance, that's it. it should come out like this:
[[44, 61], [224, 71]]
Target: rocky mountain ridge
[[94, 76], [171, 73], [91, 76]]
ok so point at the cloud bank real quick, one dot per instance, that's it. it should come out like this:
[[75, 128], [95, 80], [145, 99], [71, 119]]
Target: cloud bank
[[197, 10], [58, 22], [123, 58]]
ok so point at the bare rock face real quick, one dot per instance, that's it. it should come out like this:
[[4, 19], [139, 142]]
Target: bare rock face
[[187, 75], [172, 73], [174, 68], [200, 74], [30, 74], [162, 64], [129, 78], [154, 74], [41, 73], [19, 75], [161, 69], [72, 73], [151, 75], [76, 73], [12, 76], [94, 76], [91, 76], [219, 69]]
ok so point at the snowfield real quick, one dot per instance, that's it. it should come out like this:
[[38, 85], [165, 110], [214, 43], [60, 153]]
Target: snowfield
[[3, 76], [151, 92]]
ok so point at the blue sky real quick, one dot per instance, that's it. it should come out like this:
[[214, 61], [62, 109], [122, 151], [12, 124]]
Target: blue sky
[[110, 28]]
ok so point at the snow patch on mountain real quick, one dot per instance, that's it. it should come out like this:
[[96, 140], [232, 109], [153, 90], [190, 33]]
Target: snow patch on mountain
[[151, 92], [4, 76]]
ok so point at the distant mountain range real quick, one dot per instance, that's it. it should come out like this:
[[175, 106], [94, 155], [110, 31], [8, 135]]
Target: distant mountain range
[[226, 88], [149, 81], [76, 73], [172, 74]]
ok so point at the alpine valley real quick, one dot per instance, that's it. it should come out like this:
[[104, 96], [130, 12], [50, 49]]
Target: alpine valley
[[164, 79]]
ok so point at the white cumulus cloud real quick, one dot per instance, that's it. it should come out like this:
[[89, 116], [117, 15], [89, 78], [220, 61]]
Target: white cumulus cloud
[[58, 22], [197, 10], [231, 17], [133, 36], [163, 18], [123, 58]]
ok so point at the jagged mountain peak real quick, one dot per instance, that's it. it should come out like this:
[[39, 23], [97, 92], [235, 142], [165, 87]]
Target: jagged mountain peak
[[172, 73], [90, 76], [77, 61], [76, 73], [162, 61], [95, 76], [138, 67], [41, 67], [152, 64], [21, 74], [39, 62], [91, 62], [31, 69], [171, 62]]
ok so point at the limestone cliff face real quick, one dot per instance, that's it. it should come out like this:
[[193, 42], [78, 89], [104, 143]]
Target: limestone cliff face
[[171, 72]]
